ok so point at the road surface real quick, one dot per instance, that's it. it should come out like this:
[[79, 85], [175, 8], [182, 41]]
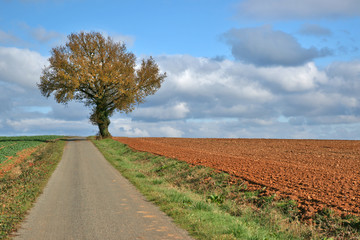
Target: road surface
[[86, 198]]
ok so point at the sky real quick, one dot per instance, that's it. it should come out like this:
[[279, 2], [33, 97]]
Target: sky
[[235, 68]]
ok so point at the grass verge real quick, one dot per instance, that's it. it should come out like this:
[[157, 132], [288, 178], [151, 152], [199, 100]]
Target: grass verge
[[20, 187], [210, 205]]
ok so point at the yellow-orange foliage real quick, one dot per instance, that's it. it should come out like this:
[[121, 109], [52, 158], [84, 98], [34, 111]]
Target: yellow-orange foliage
[[102, 74]]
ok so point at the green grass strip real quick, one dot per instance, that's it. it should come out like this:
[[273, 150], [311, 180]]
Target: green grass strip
[[20, 187], [203, 201], [9, 146]]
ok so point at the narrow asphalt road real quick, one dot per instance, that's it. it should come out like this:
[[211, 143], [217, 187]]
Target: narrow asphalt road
[[86, 198]]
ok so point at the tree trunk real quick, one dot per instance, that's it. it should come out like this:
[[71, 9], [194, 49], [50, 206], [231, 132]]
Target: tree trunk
[[100, 117], [103, 129]]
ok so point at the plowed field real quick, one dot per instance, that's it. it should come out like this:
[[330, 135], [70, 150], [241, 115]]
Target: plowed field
[[316, 173]]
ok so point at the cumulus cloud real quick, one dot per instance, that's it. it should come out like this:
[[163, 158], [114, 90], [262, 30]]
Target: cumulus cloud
[[234, 90], [292, 79], [293, 9], [5, 95], [45, 125], [345, 76], [314, 30], [20, 66], [209, 88], [264, 46], [23, 109], [205, 79], [127, 127], [73, 111], [177, 110]]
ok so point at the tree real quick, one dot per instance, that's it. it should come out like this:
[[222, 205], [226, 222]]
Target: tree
[[100, 73]]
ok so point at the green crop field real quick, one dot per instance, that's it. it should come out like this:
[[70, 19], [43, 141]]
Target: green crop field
[[9, 146]]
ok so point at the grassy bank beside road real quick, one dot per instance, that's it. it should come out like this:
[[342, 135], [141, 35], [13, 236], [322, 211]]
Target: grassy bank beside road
[[21, 185], [209, 205], [10, 146]]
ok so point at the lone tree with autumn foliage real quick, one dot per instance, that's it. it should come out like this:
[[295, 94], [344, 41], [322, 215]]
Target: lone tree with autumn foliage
[[100, 73]]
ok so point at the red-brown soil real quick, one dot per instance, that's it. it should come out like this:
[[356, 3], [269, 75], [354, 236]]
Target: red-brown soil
[[316, 173], [12, 162]]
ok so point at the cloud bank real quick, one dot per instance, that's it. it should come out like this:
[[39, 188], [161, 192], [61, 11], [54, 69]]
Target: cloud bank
[[234, 99], [201, 97], [293, 9]]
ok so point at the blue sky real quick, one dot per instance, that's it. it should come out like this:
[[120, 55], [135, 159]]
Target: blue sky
[[237, 68]]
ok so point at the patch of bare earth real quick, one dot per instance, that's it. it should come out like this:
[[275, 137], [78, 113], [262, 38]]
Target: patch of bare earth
[[11, 164], [316, 173]]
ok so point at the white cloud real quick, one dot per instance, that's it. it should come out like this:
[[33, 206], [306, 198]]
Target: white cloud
[[21, 66], [127, 127], [209, 80], [345, 76], [48, 125], [178, 110], [124, 127], [294, 79], [293, 9], [170, 131], [264, 46], [22, 105]]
